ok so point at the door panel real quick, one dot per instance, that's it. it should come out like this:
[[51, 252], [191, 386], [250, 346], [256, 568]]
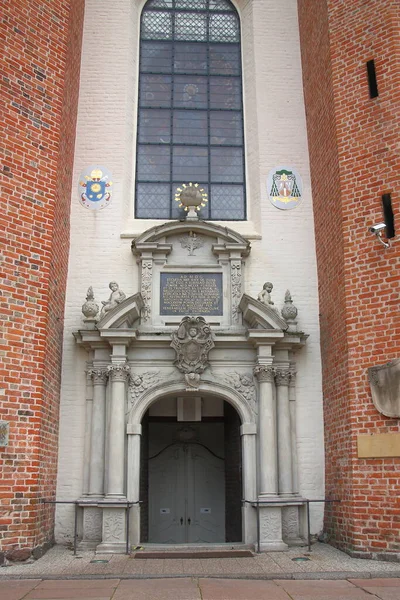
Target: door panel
[[166, 497], [206, 496], [186, 496]]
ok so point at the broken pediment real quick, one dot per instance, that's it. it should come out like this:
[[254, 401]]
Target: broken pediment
[[261, 316], [123, 315]]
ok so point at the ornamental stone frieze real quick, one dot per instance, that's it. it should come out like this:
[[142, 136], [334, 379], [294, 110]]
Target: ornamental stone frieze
[[139, 383], [244, 384]]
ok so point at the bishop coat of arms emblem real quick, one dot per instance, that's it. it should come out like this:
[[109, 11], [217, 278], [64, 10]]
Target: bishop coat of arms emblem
[[192, 342]]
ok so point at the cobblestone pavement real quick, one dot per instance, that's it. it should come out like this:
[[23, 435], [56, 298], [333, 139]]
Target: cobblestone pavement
[[188, 588]]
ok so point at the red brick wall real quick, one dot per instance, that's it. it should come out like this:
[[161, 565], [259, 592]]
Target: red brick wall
[[39, 90], [355, 158]]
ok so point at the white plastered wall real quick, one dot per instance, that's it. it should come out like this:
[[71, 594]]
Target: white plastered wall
[[283, 247]]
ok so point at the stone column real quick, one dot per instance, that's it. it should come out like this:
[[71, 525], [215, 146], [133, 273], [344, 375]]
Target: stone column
[[268, 482], [88, 429], [97, 441], [292, 408], [248, 432], [282, 378], [116, 447], [134, 431]]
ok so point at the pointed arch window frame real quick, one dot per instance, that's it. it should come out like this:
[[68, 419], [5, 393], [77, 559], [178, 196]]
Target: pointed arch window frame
[[190, 109]]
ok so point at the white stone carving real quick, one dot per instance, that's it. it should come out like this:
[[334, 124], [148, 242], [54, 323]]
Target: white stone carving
[[236, 288], [146, 285], [191, 242], [290, 522], [90, 308], [140, 382], [116, 297], [270, 524], [192, 342], [92, 523], [244, 384], [114, 525]]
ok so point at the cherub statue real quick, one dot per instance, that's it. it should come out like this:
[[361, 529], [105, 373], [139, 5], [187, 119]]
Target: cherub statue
[[265, 295], [116, 297]]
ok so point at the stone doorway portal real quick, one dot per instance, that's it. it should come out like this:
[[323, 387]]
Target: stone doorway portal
[[191, 478]]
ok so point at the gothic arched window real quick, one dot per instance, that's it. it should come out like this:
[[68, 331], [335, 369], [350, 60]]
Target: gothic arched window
[[190, 117]]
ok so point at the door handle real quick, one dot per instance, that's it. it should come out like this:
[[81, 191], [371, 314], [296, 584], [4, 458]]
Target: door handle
[[181, 519], [189, 521]]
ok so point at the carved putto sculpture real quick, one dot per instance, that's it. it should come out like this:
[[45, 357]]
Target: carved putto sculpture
[[192, 342], [265, 295], [116, 297], [90, 308]]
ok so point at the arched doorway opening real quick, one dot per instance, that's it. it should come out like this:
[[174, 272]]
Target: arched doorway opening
[[191, 472]]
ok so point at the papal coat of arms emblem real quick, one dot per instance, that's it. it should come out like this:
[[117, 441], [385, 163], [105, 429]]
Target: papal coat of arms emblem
[[284, 188], [95, 188]]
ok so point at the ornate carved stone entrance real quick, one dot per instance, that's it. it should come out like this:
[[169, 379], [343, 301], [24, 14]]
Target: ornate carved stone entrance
[[191, 332]]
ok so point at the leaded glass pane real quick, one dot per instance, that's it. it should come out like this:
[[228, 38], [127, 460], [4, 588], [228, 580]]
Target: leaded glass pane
[[156, 57], [153, 200], [155, 126], [224, 28], [226, 165], [190, 163], [191, 4], [191, 26], [155, 90], [227, 202], [220, 5], [159, 4], [190, 92], [225, 92], [190, 127], [157, 25], [190, 58], [224, 59], [226, 128], [154, 163]]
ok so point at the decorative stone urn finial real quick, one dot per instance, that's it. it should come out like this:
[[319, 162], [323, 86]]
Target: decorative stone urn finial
[[90, 308], [289, 312]]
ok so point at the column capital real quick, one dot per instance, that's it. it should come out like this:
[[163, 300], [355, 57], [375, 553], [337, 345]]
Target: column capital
[[99, 375], [264, 373], [118, 372], [282, 377]]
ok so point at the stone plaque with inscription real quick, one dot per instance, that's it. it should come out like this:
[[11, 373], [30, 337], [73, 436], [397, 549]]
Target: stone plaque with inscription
[[191, 294]]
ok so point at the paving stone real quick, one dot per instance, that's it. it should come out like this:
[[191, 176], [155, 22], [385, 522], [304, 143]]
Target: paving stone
[[323, 590], [389, 582], [158, 589], [70, 591], [50, 584], [223, 589], [14, 590]]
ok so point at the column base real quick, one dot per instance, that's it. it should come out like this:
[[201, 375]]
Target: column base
[[111, 548], [271, 529], [273, 547]]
